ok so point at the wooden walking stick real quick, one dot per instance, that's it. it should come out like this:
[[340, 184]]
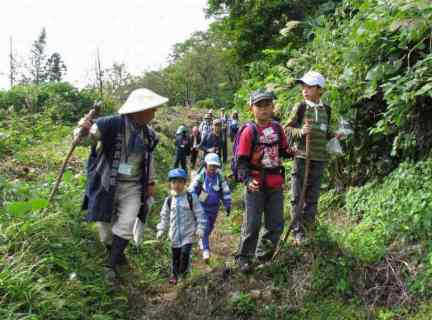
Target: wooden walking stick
[[82, 133], [298, 213]]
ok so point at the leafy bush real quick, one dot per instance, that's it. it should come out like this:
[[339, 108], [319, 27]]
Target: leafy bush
[[243, 305], [206, 104], [400, 208], [60, 100]]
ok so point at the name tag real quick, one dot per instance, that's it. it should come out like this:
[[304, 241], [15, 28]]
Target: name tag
[[323, 127], [125, 169], [268, 131]]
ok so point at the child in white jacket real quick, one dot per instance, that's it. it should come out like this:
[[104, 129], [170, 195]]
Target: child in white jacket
[[183, 215]]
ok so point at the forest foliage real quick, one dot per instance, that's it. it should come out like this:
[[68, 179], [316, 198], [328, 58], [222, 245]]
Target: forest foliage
[[372, 245]]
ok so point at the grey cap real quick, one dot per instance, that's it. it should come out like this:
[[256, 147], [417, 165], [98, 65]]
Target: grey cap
[[260, 95]]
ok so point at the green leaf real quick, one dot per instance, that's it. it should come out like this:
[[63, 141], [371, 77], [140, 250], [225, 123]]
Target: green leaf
[[67, 177], [37, 204], [18, 208], [427, 88]]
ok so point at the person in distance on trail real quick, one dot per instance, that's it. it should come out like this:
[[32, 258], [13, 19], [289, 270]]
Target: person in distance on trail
[[224, 129], [261, 146], [120, 172], [183, 215], [318, 114], [195, 142], [182, 149], [213, 141], [212, 189], [205, 126], [233, 125]]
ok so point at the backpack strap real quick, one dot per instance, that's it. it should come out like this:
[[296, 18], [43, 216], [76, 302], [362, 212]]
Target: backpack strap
[[190, 200], [169, 201], [302, 109]]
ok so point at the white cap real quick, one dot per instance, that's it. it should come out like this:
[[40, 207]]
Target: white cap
[[140, 100], [212, 159], [312, 78]]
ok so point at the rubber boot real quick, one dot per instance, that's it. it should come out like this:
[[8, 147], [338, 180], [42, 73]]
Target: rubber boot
[[117, 250], [122, 261]]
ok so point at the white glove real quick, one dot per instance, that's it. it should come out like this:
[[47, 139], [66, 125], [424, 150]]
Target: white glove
[[200, 233], [159, 234]]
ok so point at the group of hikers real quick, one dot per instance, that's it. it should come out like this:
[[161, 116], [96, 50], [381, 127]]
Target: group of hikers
[[121, 176], [211, 136]]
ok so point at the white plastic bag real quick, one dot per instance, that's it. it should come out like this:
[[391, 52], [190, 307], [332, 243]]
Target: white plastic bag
[[138, 228], [344, 128], [334, 147]]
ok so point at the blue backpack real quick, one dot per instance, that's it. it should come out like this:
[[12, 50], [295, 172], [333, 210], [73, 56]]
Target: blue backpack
[[255, 141]]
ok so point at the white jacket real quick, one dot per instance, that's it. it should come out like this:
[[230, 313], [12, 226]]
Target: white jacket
[[181, 220]]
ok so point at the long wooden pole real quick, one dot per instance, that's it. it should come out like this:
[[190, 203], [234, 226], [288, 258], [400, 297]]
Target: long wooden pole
[[93, 112], [300, 207]]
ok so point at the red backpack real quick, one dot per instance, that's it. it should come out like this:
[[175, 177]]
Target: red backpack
[[255, 141]]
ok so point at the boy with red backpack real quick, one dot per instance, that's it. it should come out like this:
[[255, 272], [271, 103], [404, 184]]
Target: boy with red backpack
[[257, 152]]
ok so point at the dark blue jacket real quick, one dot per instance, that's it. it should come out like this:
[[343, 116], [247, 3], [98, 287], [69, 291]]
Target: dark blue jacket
[[102, 169]]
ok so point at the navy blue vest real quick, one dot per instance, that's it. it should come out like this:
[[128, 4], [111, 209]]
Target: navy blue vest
[[103, 165]]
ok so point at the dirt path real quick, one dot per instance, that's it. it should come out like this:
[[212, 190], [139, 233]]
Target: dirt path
[[154, 300]]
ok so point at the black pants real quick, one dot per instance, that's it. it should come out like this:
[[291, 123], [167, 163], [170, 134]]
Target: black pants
[[310, 206], [181, 259], [194, 157], [180, 162]]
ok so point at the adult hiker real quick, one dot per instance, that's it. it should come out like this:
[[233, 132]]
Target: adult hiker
[[309, 117], [258, 151], [212, 189], [183, 215], [182, 147], [195, 142], [233, 125], [205, 126], [224, 129], [213, 141], [120, 172]]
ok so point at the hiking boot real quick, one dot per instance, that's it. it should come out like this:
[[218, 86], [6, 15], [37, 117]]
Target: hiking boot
[[206, 256], [263, 259], [173, 280], [122, 260], [110, 275], [299, 238], [244, 265]]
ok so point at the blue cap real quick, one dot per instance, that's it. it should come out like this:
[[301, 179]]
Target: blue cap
[[177, 174]]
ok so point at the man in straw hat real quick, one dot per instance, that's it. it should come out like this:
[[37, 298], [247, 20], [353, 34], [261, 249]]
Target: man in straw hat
[[120, 172]]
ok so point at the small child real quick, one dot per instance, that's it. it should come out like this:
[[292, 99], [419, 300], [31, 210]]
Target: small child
[[183, 214], [211, 188]]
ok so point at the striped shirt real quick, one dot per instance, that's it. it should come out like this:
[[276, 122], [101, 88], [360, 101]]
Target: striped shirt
[[319, 134]]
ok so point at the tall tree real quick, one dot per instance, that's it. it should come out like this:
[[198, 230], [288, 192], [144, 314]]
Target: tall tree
[[55, 67], [99, 73], [254, 25], [118, 80], [12, 64], [38, 57]]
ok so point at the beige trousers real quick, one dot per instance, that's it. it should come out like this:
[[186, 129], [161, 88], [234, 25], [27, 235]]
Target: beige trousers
[[127, 203]]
